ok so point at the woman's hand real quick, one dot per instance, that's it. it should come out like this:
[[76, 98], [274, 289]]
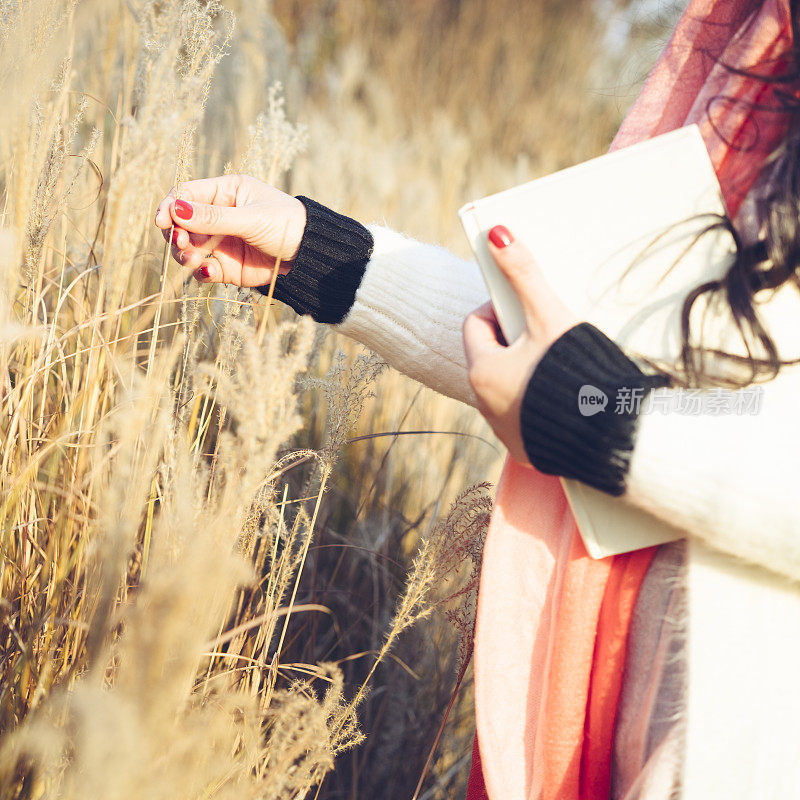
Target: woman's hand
[[232, 229], [499, 373]]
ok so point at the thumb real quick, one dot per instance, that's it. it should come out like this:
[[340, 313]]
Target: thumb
[[517, 263], [211, 219]]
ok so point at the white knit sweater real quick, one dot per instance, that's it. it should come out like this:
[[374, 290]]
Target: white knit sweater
[[731, 480]]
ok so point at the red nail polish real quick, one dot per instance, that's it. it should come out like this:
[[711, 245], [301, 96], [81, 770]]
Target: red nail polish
[[204, 271], [183, 209], [500, 236], [175, 236]]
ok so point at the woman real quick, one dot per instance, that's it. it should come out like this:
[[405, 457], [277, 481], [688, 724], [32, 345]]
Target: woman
[[666, 672]]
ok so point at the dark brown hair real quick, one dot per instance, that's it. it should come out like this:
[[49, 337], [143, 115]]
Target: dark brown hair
[[773, 260]]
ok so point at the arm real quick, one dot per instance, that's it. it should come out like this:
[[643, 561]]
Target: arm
[[401, 298], [729, 479]]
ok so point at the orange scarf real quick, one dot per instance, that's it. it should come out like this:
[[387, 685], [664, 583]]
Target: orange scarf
[[552, 623]]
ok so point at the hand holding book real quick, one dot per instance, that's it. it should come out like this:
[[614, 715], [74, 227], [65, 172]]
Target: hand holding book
[[621, 239], [499, 373]]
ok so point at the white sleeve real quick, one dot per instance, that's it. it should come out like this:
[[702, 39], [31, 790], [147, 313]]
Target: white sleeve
[[732, 480], [410, 306]]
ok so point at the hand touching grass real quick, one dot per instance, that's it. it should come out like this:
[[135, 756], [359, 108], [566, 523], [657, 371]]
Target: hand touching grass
[[232, 229]]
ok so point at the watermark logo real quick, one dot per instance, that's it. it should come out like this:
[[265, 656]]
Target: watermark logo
[[591, 400], [689, 402], [713, 402]]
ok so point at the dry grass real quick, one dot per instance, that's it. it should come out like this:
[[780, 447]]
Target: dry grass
[[211, 534]]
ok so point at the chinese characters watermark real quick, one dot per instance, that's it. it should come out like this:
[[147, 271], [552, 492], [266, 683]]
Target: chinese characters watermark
[[691, 402]]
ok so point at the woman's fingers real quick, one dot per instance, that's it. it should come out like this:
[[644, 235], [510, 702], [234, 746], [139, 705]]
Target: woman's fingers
[[481, 334], [180, 238], [520, 268], [224, 262], [212, 191], [543, 308], [220, 191], [209, 271], [195, 255], [211, 219], [211, 267]]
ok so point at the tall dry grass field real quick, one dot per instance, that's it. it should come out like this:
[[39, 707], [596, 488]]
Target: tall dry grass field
[[238, 556]]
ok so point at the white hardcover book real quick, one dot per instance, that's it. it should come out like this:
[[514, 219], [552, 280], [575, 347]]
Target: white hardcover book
[[618, 238]]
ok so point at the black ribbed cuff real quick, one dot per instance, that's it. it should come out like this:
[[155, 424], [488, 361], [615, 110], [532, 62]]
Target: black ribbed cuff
[[329, 265], [580, 409]]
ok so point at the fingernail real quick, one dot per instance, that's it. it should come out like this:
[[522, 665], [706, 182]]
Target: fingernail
[[175, 236], [183, 209], [500, 236], [204, 271]]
